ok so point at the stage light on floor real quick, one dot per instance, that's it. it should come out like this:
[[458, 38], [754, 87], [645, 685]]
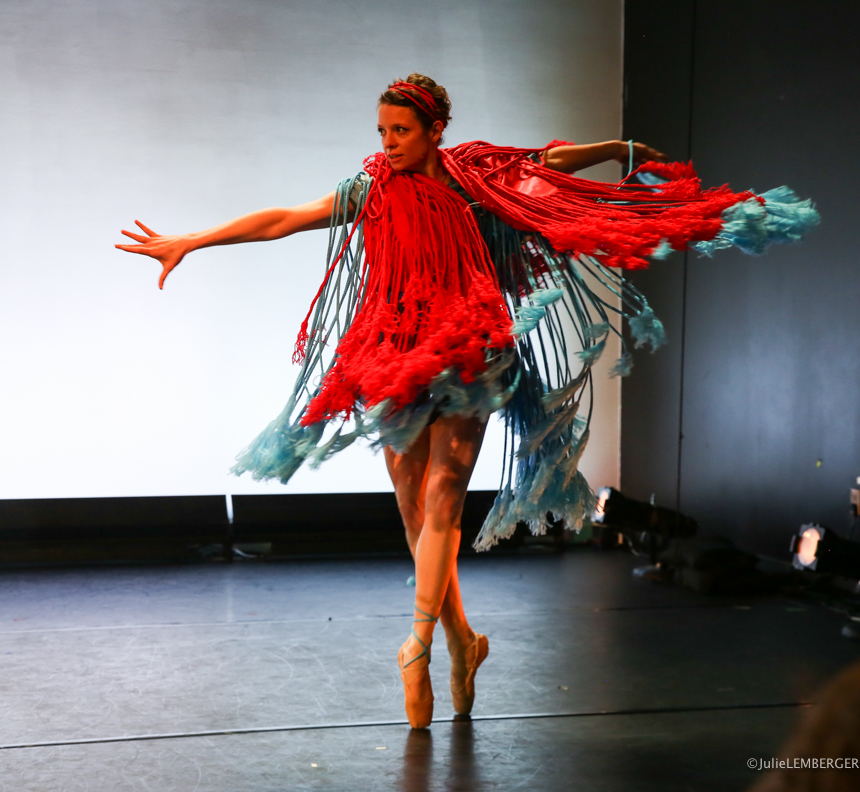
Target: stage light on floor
[[628, 514], [648, 529], [599, 511], [820, 549], [804, 547]]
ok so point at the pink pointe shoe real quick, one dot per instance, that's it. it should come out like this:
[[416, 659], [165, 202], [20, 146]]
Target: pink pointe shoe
[[415, 673], [463, 689], [417, 689]]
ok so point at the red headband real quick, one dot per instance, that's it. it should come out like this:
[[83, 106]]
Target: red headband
[[428, 105]]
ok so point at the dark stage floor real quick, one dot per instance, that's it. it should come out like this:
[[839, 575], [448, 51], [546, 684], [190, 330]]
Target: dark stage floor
[[269, 676]]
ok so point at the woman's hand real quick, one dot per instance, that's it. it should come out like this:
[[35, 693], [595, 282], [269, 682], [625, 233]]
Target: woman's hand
[[260, 226], [641, 153], [169, 250]]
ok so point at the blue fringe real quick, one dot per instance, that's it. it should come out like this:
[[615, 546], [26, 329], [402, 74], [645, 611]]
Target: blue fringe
[[285, 444], [279, 450], [751, 227], [662, 250], [590, 355], [596, 331], [647, 329], [528, 317], [545, 297], [449, 395], [551, 491], [623, 366], [651, 179]]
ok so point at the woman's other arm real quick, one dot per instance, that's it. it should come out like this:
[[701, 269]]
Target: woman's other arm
[[568, 159], [261, 226]]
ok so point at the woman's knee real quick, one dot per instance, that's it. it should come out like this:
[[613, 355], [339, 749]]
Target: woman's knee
[[443, 508], [412, 515]]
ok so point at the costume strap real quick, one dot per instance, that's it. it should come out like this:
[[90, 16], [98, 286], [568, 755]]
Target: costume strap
[[430, 617], [425, 649]]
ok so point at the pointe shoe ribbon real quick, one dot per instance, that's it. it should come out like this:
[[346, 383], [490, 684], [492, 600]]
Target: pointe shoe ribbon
[[415, 673], [463, 690]]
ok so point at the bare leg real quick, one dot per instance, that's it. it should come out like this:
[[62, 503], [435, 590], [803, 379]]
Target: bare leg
[[410, 472], [430, 481]]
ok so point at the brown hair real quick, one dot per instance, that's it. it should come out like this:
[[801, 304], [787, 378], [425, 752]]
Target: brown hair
[[440, 96]]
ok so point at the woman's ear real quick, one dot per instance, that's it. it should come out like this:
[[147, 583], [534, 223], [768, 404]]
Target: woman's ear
[[436, 131]]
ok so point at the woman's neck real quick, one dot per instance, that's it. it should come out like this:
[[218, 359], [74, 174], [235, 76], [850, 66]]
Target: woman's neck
[[433, 168]]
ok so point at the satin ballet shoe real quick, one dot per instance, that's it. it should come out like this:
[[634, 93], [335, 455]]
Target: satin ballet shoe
[[415, 673], [417, 689], [463, 689]]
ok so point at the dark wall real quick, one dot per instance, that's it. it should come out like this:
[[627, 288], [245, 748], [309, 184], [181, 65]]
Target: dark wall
[[96, 530], [748, 420], [657, 84]]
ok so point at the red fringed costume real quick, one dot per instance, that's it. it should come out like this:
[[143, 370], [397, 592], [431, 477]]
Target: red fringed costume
[[431, 298]]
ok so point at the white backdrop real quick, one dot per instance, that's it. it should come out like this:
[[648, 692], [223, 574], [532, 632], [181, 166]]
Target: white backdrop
[[185, 113]]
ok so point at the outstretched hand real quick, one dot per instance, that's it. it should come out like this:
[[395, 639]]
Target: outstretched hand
[[168, 250], [641, 153]]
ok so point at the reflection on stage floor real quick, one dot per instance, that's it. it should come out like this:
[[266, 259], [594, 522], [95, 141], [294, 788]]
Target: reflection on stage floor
[[271, 676]]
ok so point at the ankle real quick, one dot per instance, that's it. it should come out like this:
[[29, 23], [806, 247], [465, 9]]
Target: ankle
[[459, 637], [418, 643], [423, 624], [422, 633], [411, 648]]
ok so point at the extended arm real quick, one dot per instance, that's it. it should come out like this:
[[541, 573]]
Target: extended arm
[[568, 159], [260, 226]]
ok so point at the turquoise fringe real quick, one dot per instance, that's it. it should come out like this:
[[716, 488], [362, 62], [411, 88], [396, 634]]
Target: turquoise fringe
[[647, 329], [751, 227]]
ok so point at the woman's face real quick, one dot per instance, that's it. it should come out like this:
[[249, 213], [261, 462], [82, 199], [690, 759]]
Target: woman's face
[[405, 142]]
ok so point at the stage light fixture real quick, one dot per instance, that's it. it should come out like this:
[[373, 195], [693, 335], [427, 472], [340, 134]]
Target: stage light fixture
[[602, 496], [820, 549], [648, 529], [626, 514], [804, 545]]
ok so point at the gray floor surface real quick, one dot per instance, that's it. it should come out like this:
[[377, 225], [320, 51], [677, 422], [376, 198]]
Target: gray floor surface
[[283, 676]]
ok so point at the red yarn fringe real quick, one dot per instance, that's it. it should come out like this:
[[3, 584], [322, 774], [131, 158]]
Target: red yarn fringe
[[430, 295], [430, 299], [620, 224]]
